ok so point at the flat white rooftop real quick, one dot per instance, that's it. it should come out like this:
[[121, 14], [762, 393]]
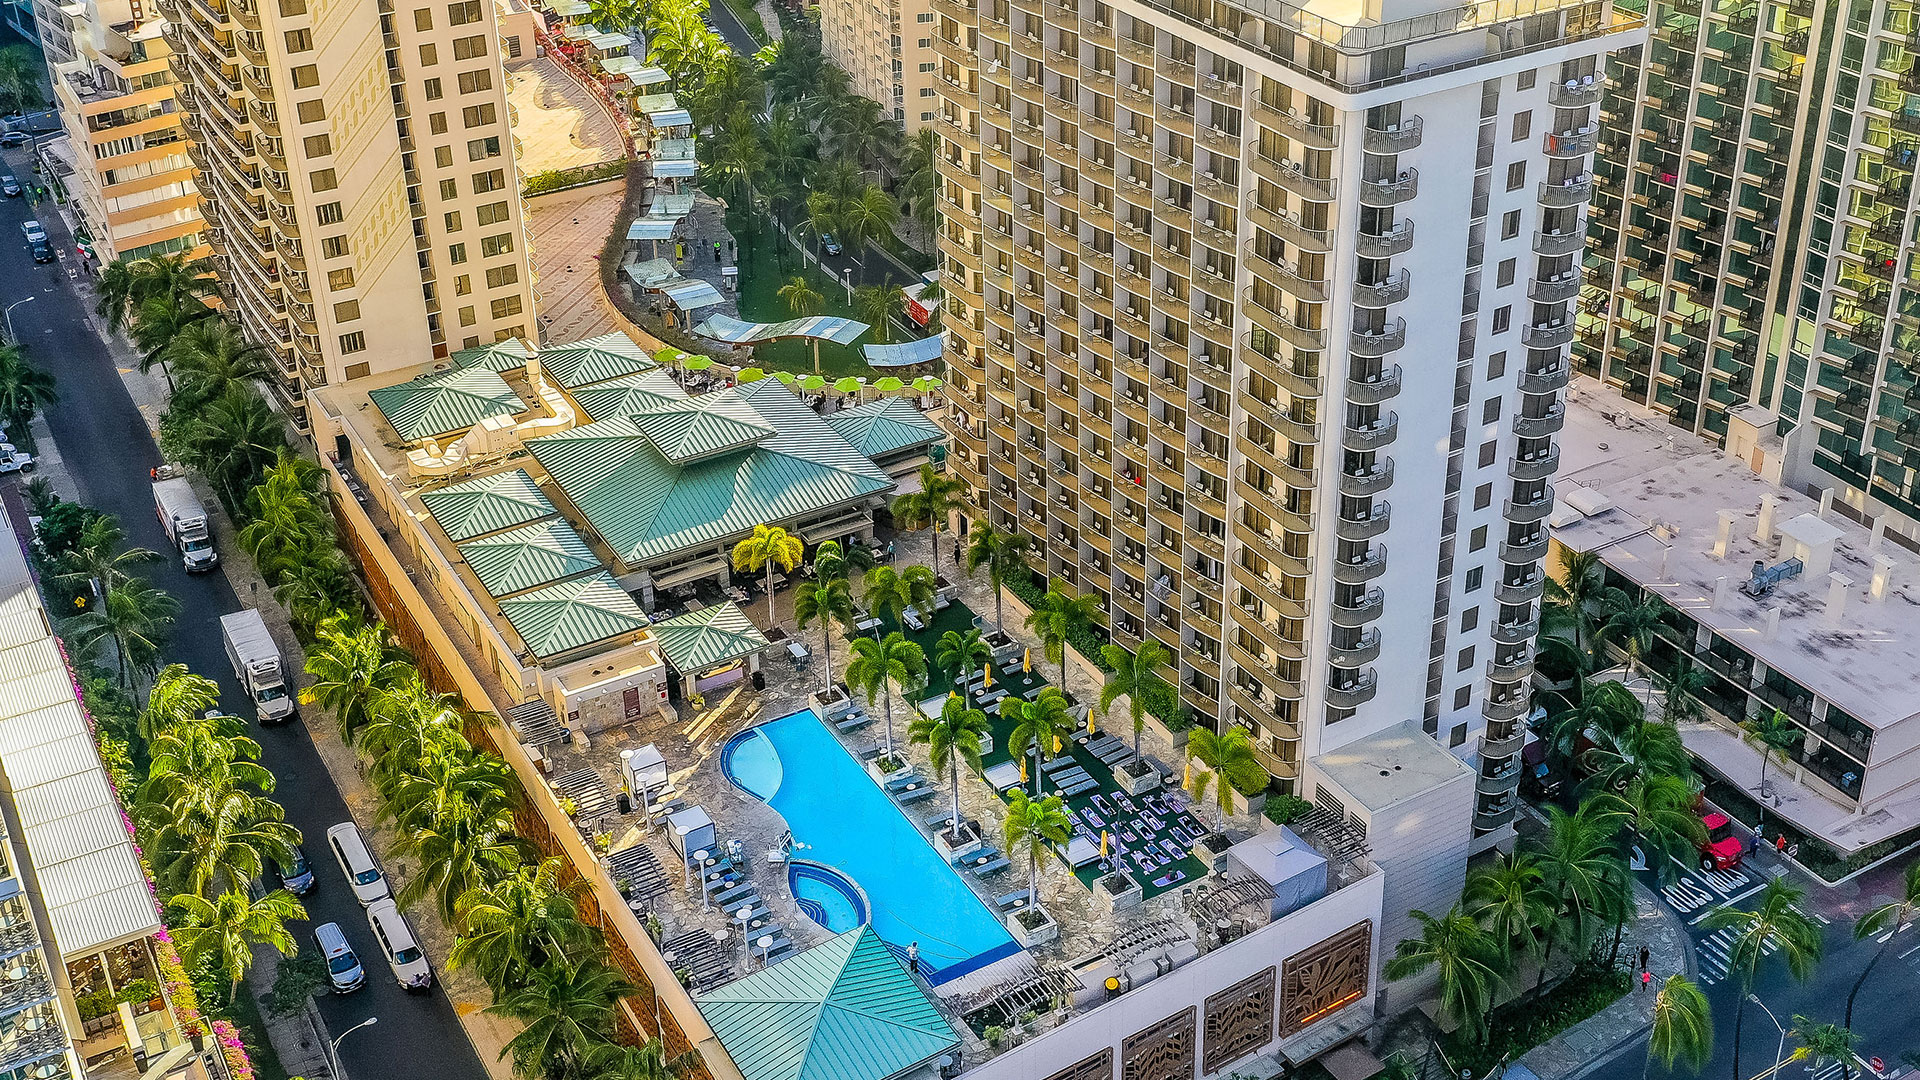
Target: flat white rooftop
[[1390, 766]]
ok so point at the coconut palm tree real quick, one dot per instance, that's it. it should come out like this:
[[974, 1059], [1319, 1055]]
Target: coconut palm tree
[[619, 16], [951, 738], [648, 1061], [1465, 960], [1575, 592], [24, 389], [520, 922], [459, 850], [1682, 1027], [1777, 922], [891, 592], [98, 559], [20, 73], [960, 653], [1631, 625], [1885, 922], [1038, 727], [209, 355], [154, 297], [233, 439], [1627, 747], [354, 666], [1136, 675], [1821, 1043], [1230, 766], [210, 853], [1003, 553], [1581, 866], [827, 600], [1657, 811], [178, 696], [194, 764], [802, 299], [1054, 619], [877, 305], [134, 617], [1034, 828], [920, 175], [567, 1009], [769, 544], [877, 665], [940, 494], [221, 933], [831, 560], [1773, 735], [1511, 899]]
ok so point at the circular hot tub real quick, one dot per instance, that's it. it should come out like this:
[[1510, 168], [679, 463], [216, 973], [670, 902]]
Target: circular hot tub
[[827, 896]]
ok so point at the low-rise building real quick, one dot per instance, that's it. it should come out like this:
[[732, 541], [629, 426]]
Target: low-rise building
[[1782, 602]]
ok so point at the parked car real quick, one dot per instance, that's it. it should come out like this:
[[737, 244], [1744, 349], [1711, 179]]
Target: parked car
[[296, 876], [831, 246], [12, 460], [35, 234], [13, 138], [356, 861], [10, 187], [42, 251], [344, 972], [1721, 850], [396, 939]]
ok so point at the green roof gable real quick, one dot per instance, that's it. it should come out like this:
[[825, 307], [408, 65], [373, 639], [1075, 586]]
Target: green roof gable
[[594, 360], [627, 394], [497, 357], [443, 402], [573, 613], [884, 425], [843, 1010], [688, 430], [491, 503], [528, 557], [707, 638]]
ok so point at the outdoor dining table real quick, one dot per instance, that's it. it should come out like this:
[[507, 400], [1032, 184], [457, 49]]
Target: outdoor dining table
[[796, 650], [737, 594]]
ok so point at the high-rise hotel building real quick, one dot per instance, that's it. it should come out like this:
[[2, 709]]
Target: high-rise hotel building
[[361, 191], [1259, 328]]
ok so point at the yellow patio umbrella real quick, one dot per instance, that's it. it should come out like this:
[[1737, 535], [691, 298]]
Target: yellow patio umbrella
[[1105, 838], [1023, 768], [986, 675], [1026, 662], [1089, 723], [1056, 744], [1186, 779]]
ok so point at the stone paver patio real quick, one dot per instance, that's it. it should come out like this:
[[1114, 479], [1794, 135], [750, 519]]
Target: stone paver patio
[[561, 126]]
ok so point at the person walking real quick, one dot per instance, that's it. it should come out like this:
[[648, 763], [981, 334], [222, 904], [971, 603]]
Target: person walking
[[1645, 954], [1646, 979], [913, 959]]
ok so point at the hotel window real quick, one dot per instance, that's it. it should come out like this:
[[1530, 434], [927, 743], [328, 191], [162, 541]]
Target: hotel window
[[323, 180], [456, 253], [489, 181], [429, 54], [437, 123], [505, 306], [333, 247], [423, 19], [311, 112], [467, 317], [482, 149], [354, 342], [478, 115], [472, 81], [305, 76], [432, 89], [452, 219], [449, 190], [299, 41], [496, 245], [502, 275], [463, 13], [317, 145], [328, 213], [341, 278], [470, 48], [491, 214], [359, 371], [346, 311]]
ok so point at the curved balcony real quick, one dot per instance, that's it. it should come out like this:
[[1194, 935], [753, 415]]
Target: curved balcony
[[1375, 522], [1281, 372], [1554, 290], [1367, 610], [264, 114], [1385, 245], [1291, 228], [1394, 140], [1499, 782], [1560, 243], [1547, 336], [1390, 192], [1286, 275], [1536, 466], [1364, 569], [1570, 193], [1378, 434], [1493, 815], [1365, 651], [1353, 694], [252, 49], [1571, 145], [1492, 749], [1379, 295], [1295, 430], [1521, 554], [1278, 323], [1545, 380], [1360, 485], [270, 152], [1292, 177], [1367, 343], [1532, 510], [1320, 136], [1506, 707], [1373, 391], [1573, 95], [277, 186], [1519, 592], [1539, 427], [1515, 633]]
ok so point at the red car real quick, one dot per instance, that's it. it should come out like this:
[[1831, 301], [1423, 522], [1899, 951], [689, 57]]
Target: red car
[[1722, 849]]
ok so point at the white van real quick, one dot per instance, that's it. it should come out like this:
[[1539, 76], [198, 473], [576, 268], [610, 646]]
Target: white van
[[344, 972], [404, 955], [356, 861]]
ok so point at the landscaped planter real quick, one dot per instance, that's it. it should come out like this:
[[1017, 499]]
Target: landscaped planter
[[1005, 649], [1209, 848], [1249, 804], [1032, 926], [955, 844], [831, 703], [1177, 738], [1117, 892], [1138, 783], [876, 769]]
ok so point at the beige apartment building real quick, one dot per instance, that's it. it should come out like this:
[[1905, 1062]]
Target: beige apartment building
[[1202, 356], [125, 156], [886, 49], [359, 173]]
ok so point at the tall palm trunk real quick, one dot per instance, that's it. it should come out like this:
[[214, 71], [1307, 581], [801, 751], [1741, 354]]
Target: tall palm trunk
[[953, 773], [826, 647], [1861, 981], [1739, 1023], [770, 622], [999, 616], [886, 694]]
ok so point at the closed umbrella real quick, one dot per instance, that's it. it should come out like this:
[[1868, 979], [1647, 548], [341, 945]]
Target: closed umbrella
[[889, 385], [1026, 662], [752, 374], [1105, 839]]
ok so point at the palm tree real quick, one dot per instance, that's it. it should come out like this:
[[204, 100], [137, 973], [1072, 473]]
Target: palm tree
[[567, 1009], [210, 355], [1777, 922], [1034, 827], [1681, 700], [1886, 921], [768, 545], [619, 16], [1230, 764], [460, 850], [1513, 903], [1136, 675], [1038, 727], [951, 738], [831, 560], [961, 653], [228, 849], [648, 1061], [870, 214], [222, 932], [1682, 1027], [827, 600], [891, 592], [354, 666], [512, 927], [878, 664], [134, 616], [1575, 591], [1631, 625], [96, 559], [233, 439], [1821, 1043], [940, 494], [1004, 554], [1582, 867], [1054, 619], [802, 299], [20, 73], [877, 305], [1772, 734], [24, 389], [920, 175], [1658, 812], [1464, 959], [178, 696], [154, 298]]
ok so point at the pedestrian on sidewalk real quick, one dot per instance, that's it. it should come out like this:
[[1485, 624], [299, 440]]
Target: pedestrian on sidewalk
[[1645, 953], [1646, 979], [1780, 845]]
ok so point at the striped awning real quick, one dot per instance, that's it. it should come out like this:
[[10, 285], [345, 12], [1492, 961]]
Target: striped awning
[[740, 332], [924, 351], [691, 294]]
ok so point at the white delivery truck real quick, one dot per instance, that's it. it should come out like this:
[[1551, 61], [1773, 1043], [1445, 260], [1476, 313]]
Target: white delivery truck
[[185, 521], [256, 663]]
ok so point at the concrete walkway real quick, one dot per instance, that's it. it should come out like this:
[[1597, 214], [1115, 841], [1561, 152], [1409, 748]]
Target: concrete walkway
[[561, 125], [569, 230]]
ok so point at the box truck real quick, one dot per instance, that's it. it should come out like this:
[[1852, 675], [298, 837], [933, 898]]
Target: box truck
[[185, 522], [256, 663]]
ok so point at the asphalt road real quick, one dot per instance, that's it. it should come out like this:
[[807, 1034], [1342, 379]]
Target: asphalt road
[[105, 442]]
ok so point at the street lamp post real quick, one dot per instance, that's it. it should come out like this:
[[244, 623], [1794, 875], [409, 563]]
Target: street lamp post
[[9, 314], [333, 1048], [1780, 1055], [846, 276]]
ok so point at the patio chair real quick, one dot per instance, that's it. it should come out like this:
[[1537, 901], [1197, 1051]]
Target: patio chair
[[991, 866], [1013, 901], [905, 780], [913, 796]]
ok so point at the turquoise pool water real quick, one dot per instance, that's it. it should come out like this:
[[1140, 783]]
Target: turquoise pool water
[[826, 897], [798, 767]]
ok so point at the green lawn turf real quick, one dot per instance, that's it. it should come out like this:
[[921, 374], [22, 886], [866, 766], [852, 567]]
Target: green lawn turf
[[761, 276]]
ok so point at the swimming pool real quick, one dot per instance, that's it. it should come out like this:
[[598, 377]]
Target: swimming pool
[[798, 767], [826, 897]]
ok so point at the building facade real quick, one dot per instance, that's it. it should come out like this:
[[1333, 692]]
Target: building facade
[[1195, 339], [360, 179], [125, 157], [886, 49]]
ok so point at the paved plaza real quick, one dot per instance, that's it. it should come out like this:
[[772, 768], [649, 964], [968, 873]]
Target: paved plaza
[[560, 124]]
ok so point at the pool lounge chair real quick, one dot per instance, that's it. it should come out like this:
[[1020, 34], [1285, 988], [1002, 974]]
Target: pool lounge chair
[[991, 866], [904, 780], [913, 620], [1003, 776], [1079, 788], [940, 820], [1013, 901], [1059, 764], [853, 722], [914, 796], [734, 895]]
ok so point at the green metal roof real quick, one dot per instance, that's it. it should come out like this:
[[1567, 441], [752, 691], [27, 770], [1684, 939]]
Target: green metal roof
[[627, 394], [687, 430], [497, 357], [488, 504], [704, 639], [594, 360], [646, 507], [528, 557], [573, 613], [843, 1010], [884, 425], [443, 402]]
